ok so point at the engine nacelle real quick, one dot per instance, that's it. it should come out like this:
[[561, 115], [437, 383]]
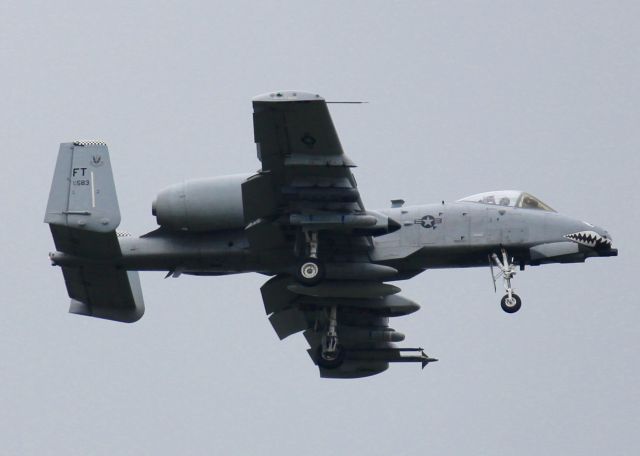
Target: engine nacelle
[[213, 203]]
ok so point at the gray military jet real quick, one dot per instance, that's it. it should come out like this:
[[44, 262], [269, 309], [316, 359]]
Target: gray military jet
[[299, 219]]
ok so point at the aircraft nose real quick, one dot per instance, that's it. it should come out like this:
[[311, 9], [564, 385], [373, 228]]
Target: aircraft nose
[[607, 249], [604, 234], [595, 237]]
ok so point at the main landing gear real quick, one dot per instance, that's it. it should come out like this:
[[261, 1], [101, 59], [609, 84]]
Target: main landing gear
[[330, 352], [510, 302], [310, 271]]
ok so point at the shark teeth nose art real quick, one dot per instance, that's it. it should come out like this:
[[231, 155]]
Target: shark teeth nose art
[[589, 238]]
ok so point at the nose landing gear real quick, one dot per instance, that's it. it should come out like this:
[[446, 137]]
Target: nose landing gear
[[510, 302]]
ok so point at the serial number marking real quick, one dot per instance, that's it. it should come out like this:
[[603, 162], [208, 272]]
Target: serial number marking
[[81, 182]]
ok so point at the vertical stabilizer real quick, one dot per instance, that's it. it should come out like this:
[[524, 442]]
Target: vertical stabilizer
[[83, 215], [83, 193]]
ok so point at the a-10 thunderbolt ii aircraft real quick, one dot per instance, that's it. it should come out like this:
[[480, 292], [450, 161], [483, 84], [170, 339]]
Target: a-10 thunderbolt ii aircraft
[[299, 219]]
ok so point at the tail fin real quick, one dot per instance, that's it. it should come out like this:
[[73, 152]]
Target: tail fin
[[83, 215], [83, 194]]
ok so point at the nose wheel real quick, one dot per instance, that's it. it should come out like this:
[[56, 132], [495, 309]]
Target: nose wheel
[[510, 302]]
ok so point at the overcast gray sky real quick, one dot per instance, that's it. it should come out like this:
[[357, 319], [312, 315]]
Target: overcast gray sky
[[465, 96]]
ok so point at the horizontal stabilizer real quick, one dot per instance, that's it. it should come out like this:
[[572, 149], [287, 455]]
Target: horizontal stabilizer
[[104, 292]]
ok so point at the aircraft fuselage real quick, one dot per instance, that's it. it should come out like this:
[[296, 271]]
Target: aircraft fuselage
[[444, 235]]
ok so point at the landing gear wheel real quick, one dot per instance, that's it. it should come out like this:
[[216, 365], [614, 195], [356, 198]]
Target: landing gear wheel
[[332, 362], [310, 271], [511, 305]]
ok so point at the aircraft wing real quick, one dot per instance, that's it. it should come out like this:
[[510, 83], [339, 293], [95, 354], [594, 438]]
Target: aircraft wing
[[305, 184], [295, 128], [305, 179], [364, 309]]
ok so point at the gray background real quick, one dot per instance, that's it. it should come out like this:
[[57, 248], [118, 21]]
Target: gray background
[[464, 97]]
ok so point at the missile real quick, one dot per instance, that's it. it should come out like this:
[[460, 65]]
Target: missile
[[369, 222], [392, 355], [359, 271], [359, 335], [344, 289]]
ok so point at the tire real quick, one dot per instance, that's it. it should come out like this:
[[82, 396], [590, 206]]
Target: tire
[[310, 272], [511, 308], [330, 363]]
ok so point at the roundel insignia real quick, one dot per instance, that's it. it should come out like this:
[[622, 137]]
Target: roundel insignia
[[428, 221]]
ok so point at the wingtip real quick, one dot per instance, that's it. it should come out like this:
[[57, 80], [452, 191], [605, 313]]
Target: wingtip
[[287, 95]]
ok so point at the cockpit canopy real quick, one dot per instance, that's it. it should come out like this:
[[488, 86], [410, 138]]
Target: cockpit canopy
[[510, 198]]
